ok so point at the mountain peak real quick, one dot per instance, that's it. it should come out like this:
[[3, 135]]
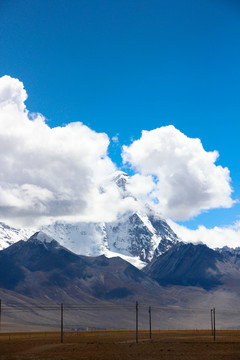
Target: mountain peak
[[41, 237], [121, 179]]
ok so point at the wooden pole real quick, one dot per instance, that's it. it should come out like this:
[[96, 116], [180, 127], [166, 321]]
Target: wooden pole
[[61, 323], [212, 321], [0, 315], [214, 324], [150, 322], [136, 322]]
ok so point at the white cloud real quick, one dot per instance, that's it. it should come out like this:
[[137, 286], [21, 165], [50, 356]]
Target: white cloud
[[187, 180], [12, 94], [115, 139], [215, 237], [140, 186], [51, 172], [65, 173]]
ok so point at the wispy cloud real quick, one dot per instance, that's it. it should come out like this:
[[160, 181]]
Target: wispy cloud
[[115, 139]]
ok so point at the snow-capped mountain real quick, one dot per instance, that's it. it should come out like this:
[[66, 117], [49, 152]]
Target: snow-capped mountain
[[81, 238], [132, 235], [10, 235], [138, 237]]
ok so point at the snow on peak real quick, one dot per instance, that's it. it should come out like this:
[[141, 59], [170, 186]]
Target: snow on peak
[[81, 238], [121, 179], [133, 235], [10, 235], [136, 236], [40, 236]]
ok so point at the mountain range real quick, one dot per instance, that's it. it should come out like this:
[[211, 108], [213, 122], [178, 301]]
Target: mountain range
[[186, 276], [135, 237], [135, 257]]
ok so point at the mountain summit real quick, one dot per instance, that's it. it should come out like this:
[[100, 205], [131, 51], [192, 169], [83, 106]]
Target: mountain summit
[[133, 235], [136, 236]]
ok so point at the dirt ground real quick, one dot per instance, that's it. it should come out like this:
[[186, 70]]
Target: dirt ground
[[118, 345]]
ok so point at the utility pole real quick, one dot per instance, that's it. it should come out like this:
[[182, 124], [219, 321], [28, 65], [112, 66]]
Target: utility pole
[[136, 322], [0, 315], [61, 323], [150, 322], [212, 321], [214, 324]]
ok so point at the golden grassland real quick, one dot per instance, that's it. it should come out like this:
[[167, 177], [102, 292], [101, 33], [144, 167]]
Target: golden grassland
[[111, 345]]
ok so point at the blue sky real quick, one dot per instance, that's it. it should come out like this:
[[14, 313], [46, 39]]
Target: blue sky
[[121, 67]]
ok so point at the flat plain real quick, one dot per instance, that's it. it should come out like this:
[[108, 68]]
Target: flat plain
[[111, 345]]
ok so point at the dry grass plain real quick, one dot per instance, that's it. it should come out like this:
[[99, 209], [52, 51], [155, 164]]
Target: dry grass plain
[[111, 345]]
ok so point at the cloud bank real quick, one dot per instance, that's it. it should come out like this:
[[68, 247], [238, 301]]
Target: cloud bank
[[187, 181], [215, 237], [65, 173], [48, 172]]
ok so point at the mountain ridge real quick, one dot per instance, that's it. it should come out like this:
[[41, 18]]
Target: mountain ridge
[[41, 271]]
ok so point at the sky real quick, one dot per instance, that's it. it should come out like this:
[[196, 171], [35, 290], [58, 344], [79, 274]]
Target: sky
[[148, 87]]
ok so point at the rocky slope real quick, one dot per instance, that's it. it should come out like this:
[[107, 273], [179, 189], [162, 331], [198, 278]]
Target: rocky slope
[[42, 268], [197, 265]]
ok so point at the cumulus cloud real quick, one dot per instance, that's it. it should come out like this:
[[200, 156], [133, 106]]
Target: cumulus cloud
[[214, 238], [51, 172], [65, 173], [186, 179]]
